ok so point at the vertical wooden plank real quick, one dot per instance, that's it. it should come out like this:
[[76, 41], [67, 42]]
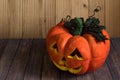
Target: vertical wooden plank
[[31, 18], [35, 64], [7, 58], [49, 15], [15, 18], [18, 66], [63, 8], [42, 19], [101, 14], [80, 8], [112, 15], [4, 23]]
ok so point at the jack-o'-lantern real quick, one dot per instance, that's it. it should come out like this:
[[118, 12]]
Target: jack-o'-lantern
[[77, 46]]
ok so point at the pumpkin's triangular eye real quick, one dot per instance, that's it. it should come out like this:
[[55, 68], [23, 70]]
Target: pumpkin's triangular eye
[[55, 48], [76, 52]]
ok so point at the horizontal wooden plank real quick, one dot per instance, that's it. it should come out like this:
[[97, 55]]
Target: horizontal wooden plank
[[35, 63], [103, 73], [87, 76], [29, 60], [67, 76], [18, 67], [8, 57], [49, 71], [3, 44], [113, 60]]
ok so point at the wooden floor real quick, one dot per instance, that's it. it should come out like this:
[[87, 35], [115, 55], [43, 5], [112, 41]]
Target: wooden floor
[[28, 60]]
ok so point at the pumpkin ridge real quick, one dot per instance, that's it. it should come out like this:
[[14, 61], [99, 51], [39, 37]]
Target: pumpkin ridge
[[92, 27], [82, 51]]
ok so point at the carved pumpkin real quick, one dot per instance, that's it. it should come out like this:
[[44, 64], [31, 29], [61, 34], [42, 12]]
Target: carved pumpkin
[[77, 46]]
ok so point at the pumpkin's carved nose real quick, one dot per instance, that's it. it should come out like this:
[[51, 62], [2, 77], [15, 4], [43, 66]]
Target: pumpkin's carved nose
[[76, 52]]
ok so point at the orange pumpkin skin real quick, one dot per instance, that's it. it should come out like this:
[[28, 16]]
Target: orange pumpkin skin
[[75, 62], [57, 35], [99, 50], [60, 40], [58, 29], [93, 52]]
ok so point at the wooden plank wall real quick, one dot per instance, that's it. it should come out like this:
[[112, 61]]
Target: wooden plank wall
[[33, 18]]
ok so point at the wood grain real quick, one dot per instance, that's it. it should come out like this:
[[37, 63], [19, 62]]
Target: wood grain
[[15, 18], [49, 15], [34, 18], [63, 8], [112, 64], [28, 59], [7, 58], [80, 8], [103, 71], [18, 67], [31, 18], [35, 64], [49, 71], [67, 76], [4, 21], [112, 14], [3, 44], [87, 76], [101, 14]]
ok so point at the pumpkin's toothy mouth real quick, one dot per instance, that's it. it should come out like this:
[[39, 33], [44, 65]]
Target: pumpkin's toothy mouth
[[76, 54], [71, 70], [62, 64], [75, 70], [64, 68]]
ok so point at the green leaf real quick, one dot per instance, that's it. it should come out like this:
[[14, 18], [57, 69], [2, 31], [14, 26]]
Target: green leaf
[[93, 27], [75, 26]]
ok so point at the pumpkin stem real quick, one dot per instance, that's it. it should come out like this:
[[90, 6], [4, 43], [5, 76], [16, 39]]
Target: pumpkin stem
[[75, 26], [97, 9]]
